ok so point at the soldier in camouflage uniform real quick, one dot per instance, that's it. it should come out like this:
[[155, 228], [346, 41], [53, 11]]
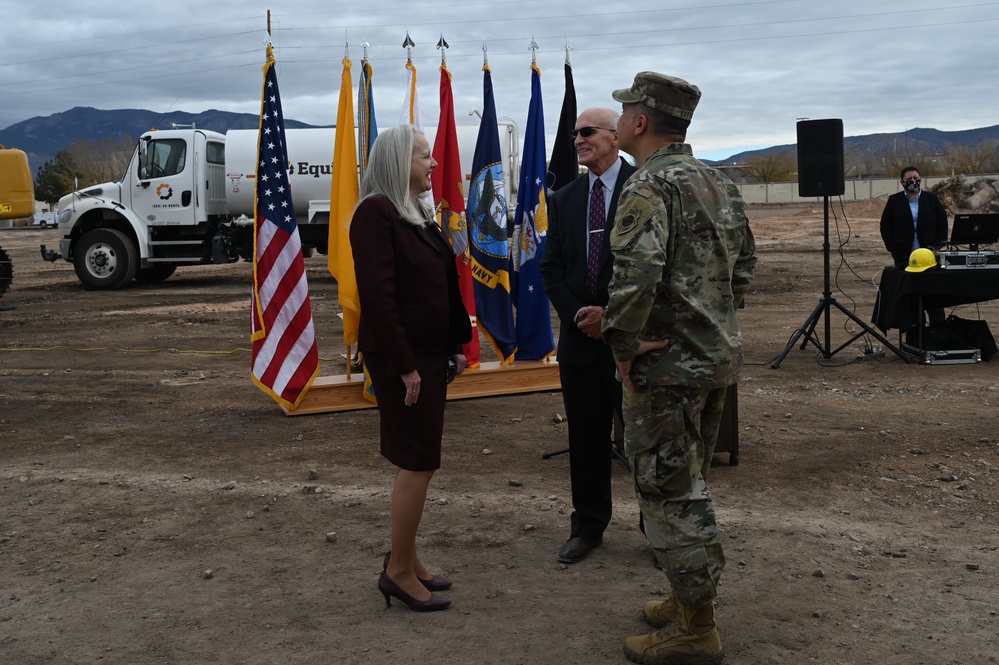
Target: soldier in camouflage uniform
[[683, 259]]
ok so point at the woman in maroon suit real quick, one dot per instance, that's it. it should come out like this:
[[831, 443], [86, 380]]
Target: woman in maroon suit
[[412, 320]]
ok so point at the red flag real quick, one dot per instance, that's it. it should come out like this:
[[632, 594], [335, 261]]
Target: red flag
[[285, 358], [449, 199]]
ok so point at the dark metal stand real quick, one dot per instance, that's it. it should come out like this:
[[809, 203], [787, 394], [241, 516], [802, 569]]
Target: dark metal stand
[[808, 327], [615, 452]]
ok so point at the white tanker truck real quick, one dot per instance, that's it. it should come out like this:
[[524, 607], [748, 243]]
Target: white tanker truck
[[187, 199]]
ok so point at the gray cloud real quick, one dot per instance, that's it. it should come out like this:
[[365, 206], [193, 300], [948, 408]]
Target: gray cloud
[[881, 67]]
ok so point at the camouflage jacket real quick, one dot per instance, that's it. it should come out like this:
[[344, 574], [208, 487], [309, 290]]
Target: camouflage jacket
[[684, 257]]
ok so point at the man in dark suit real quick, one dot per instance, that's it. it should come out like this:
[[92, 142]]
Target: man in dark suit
[[913, 218], [576, 268]]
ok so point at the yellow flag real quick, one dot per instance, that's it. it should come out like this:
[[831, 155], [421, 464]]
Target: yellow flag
[[343, 199]]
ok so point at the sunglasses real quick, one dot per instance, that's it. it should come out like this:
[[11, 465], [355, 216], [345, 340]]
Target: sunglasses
[[587, 132]]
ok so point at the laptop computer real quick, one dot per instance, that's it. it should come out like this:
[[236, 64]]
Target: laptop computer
[[975, 229]]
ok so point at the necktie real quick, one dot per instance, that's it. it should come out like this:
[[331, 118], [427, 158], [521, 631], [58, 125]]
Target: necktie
[[598, 219]]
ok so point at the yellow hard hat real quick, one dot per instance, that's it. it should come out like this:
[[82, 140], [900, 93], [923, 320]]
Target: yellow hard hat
[[920, 260]]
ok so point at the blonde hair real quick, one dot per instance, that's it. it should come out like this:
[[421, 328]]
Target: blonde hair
[[389, 170]]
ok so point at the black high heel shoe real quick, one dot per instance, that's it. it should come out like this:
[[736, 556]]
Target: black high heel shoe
[[435, 583], [390, 589]]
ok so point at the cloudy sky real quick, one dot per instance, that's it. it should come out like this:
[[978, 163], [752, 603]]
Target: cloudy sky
[[761, 65]]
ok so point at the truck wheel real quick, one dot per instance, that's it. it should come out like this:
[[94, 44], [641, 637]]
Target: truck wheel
[[155, 273], [105, 260]]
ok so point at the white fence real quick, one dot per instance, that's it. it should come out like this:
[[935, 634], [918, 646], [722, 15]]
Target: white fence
[[856, 190]]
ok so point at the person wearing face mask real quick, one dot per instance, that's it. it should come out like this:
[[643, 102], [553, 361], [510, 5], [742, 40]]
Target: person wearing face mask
[[412, 321], [913, 218]]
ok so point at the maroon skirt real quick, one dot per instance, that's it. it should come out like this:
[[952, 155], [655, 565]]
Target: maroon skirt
[[411, 435]]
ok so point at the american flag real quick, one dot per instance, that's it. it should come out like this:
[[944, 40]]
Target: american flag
[[285, 356]]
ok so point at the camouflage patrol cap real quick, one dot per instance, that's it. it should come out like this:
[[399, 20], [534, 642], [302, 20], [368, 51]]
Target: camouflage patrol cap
[[666, 94]]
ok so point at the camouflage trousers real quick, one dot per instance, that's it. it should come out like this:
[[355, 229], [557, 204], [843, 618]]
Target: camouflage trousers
[[711, 417], [665, 445]]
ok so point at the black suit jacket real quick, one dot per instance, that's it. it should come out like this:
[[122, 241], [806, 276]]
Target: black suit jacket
[[563, 265], [896, 225]]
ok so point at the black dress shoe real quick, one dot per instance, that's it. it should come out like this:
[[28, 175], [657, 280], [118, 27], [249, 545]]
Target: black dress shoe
[[576, 549]]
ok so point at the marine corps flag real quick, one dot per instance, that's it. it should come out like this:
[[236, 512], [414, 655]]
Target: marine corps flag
[[343, 200], [487, 242], [535, 340], [449, 199], [285, 358]]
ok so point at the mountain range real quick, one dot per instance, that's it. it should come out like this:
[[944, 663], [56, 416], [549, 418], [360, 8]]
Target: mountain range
[[925, 141], [42, 137]]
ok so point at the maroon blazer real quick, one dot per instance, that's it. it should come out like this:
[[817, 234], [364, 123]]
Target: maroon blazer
[[407, 284]]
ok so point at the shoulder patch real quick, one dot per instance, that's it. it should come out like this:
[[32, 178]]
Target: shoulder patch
[[633, 213], [626, 223]]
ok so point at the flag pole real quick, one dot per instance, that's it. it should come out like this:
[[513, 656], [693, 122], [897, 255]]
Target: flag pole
[[349, 364], [408, 45], [443, 46]]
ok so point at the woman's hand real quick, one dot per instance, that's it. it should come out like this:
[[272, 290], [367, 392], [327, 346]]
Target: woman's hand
[[412, 382]]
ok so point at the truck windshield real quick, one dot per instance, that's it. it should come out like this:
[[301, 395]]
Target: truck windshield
[[166, 157]]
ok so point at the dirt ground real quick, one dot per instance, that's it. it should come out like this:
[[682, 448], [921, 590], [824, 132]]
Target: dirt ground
[[158, 508]]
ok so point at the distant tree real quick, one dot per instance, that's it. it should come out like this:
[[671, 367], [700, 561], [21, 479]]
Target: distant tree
[[907, 155], [101, 160], [773, 167], [55, 178], [863, 164], [981, 158]]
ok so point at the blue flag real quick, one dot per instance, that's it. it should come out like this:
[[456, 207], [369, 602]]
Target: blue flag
[[535, 340], [367, 128], [367, 132], [487, 236]]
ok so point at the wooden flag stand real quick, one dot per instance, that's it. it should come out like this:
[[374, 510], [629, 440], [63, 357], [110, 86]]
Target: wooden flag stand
[[490, 379]]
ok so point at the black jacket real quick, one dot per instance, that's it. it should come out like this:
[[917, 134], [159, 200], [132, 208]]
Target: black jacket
[[897, 230], [563, 266]]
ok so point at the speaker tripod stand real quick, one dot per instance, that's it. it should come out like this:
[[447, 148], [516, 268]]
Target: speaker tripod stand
[[826, 303]]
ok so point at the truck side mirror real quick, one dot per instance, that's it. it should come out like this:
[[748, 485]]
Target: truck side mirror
[[143, 160]]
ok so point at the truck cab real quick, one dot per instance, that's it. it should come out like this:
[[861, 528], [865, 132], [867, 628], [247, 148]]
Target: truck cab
[[168, 209]]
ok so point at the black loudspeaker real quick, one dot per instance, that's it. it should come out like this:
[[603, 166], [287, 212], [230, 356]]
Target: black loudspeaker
[[820, 158]]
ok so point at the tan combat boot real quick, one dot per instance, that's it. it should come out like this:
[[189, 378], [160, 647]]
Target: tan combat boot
[[690, 640], [658, 613]]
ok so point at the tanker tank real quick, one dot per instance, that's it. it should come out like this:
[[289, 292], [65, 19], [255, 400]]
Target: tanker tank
[[310, 157]]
